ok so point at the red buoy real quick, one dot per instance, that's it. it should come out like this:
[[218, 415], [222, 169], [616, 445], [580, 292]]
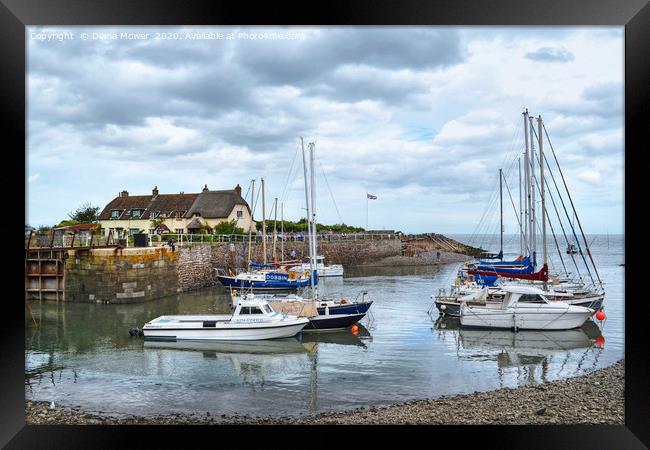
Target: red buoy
[[355, 329], [600, 341], [600, 315]]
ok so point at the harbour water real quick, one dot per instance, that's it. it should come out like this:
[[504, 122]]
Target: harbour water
[[82, 355]]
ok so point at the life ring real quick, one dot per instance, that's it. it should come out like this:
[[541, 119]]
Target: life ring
[[343, 301]]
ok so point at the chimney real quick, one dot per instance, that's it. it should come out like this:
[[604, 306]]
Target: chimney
[[124, 194], [205, 188], [154, 191], [238, 189]]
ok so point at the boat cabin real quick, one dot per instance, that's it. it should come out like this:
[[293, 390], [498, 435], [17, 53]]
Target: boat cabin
[[252, 310], [521, 295]]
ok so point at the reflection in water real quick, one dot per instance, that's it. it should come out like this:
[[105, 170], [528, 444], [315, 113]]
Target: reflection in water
[[523, 349], [342, 337]]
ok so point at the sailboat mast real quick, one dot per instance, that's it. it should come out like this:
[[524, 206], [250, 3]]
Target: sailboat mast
[[263, 223], [501, 206], [275, 226], [526, 185], [304, 166], [533, 218], [312, 239], [282, 229], [541, 176], [250, 229], [521, 213]]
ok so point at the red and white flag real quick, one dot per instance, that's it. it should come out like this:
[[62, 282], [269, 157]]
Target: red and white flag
[[371, 197]]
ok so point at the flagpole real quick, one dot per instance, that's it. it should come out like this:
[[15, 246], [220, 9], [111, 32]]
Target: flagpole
[[366, 211]]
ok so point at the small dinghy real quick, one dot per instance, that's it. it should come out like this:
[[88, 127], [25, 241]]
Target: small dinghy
[[253, 319]]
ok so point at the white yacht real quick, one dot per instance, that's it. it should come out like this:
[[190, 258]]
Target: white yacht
[[524, 308], [253, 319], [332, 270]]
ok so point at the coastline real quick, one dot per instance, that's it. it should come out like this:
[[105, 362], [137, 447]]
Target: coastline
[[594, 398]]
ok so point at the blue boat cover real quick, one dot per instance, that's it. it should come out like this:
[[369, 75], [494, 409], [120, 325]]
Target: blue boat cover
[[262, 266], [522, 262]]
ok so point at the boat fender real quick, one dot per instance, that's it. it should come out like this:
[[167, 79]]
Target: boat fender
[[306, 273], [136, 332]]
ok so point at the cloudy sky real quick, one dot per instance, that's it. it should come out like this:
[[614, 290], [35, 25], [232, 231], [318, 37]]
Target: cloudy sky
[[421, 117]]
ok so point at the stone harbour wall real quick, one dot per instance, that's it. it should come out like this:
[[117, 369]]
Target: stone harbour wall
[[142, 274], [120, 275]]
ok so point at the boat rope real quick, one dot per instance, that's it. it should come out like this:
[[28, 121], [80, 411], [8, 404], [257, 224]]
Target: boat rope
[[289, 173], [330, 191], [572, 205], [564, 206]]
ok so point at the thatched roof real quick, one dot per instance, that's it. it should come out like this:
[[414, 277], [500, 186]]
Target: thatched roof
[[208, 204]]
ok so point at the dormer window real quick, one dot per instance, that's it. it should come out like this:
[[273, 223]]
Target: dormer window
[[155, 215], [196, 214], [115, 213], [136, 213]]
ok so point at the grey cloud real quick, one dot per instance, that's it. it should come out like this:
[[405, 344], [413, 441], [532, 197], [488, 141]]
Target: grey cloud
[[309, 60], [550, 54]]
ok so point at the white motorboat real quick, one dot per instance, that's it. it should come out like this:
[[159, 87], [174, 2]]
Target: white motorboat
[[331, 270], [449, 304], [524, 308], [253, 319]]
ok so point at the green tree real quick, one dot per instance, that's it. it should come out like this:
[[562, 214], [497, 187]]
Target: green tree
[[67, 223], [227, 228], [86, 213]]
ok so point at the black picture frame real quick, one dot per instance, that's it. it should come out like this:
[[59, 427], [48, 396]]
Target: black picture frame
[[634, 15]]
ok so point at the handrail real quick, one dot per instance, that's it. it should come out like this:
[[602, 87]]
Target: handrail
[[58, 239]]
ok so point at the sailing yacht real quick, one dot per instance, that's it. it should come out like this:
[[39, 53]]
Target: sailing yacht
[[324, 314], [498, 274]]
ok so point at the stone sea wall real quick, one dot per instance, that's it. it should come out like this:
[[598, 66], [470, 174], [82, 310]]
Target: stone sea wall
[[120, 275], [142, 274]]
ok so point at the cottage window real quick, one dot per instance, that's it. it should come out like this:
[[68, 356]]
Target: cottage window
[[240, 214], [115, 214], [179, 231], [134, 231], [136, 213]]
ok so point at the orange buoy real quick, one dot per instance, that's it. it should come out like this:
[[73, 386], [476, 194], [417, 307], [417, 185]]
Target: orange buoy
[[600, 315], [600, 341], [355, 329]]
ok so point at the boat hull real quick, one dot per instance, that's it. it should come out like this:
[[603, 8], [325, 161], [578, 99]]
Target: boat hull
[[332, 322], [348, 308], [549, 319], [259, 286], [327, 271], [226, 332]]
